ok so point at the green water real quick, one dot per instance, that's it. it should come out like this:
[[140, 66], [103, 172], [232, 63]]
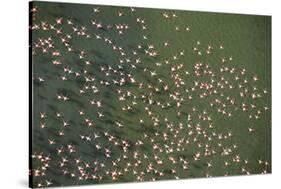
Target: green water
[[245, 38]]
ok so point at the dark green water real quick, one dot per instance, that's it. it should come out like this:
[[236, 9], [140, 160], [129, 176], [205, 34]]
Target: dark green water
[[230, 140]]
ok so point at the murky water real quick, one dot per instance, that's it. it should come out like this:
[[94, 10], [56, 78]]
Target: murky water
[[130, 94]]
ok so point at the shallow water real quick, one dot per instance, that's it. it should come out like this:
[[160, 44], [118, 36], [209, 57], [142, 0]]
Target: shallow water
[[228, 139]]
